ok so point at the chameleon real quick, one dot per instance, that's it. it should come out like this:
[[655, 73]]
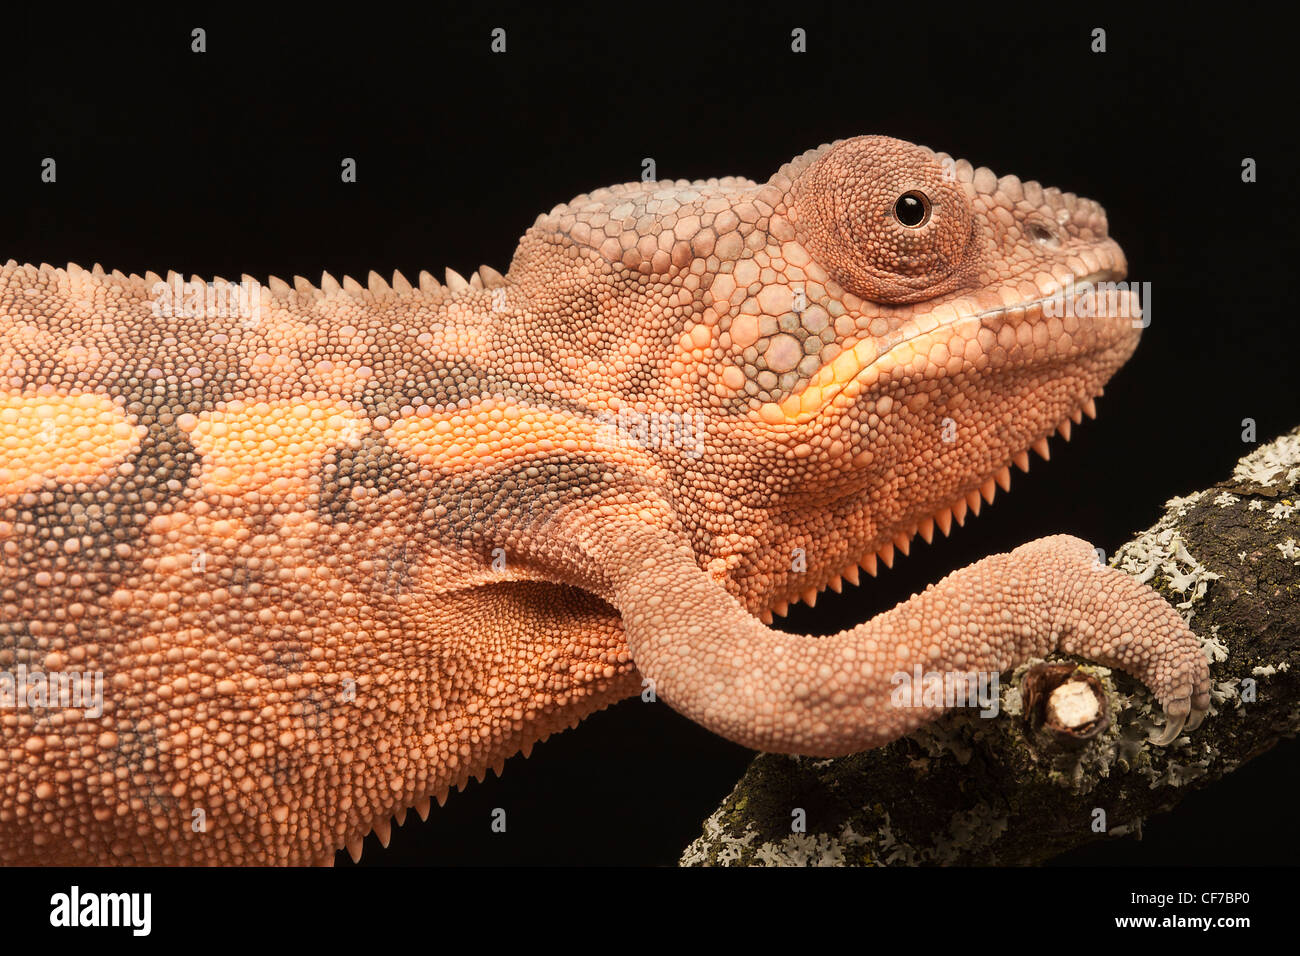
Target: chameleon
[[335, 549]]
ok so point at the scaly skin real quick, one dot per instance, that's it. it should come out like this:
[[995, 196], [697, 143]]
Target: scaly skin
[[338, 556]]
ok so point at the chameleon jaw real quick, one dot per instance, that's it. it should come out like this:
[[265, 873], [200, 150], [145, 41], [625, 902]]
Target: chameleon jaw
[[969, 501]]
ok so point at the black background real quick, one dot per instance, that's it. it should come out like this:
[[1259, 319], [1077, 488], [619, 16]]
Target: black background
[[228, 162]]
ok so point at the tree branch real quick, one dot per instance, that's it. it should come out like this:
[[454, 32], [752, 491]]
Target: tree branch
[[966, 790]]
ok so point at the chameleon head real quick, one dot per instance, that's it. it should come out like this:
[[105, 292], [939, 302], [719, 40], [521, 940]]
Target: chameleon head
[[916, 300], [926, 282], [915, 327]]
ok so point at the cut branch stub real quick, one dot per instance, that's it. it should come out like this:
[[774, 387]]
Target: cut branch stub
[[1066, 702]]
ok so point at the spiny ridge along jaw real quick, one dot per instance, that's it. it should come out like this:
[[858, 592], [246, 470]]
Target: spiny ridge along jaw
[[969, 501]]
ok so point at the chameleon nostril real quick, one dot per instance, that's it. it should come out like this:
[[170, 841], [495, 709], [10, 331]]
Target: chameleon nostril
[[1042, 235]]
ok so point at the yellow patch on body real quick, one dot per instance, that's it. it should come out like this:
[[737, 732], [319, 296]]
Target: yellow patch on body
[[492, 430], [495, 432], [67, 438], [272, 447]]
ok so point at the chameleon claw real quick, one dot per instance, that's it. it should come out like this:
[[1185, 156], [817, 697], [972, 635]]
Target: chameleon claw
[[1173, 729], [1184, 714]]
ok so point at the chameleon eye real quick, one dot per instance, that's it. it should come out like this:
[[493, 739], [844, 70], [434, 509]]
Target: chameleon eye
[[912, 209]]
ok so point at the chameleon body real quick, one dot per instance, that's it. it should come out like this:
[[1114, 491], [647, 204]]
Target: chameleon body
[[339, 549]]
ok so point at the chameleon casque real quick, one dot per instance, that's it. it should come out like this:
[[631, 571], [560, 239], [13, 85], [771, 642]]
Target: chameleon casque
[[338, 559]]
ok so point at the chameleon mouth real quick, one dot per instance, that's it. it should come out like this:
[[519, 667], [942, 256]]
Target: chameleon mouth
[[836, 386]]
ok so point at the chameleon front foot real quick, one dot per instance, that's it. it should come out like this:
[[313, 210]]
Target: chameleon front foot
[[1118, 621], [751, 684]]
